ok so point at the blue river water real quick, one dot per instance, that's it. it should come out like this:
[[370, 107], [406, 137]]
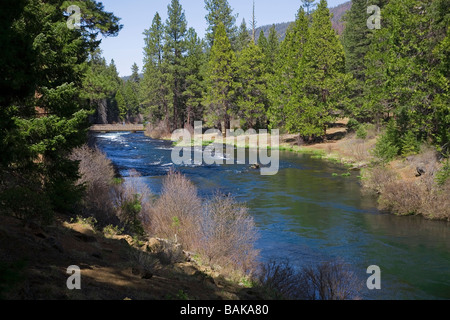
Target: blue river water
[[309, 213]]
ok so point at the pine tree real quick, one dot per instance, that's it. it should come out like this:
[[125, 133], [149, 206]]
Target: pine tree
[[174, 50], [121, 105], [320, 86], [44, 66], [251, 90], [403, 67], [220, 82], [281, 84], [194, 84], [243, 37], [356, 39], [156, 96], [135, 78], [219, 11]]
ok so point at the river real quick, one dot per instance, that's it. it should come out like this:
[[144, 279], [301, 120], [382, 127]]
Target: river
[[309, 212]]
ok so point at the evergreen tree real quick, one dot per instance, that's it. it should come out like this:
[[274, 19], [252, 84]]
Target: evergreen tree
[[219, 11], [156, 96], [135, 78], [281, 84], [243, 37], [194, 84], [403, 67], [356, 39], [251, 90], [44, 66], [220, 80], [174, 50], [320, 87], [121, 105]]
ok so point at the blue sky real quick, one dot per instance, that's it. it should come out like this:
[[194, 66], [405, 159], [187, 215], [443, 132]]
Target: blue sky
[[137, 15]]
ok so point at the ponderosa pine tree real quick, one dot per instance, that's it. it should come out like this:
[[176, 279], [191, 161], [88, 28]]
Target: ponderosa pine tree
[[403, 67], [220, 80], [156, 96], [243, 37], [220, 11], [174, 50], [251, 87], [281, 85], [195, 62], [321, 83]]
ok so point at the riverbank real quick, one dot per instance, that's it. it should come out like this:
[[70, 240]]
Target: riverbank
[[35, 258]]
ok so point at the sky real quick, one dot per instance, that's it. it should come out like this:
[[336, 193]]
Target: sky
[[137, 15]]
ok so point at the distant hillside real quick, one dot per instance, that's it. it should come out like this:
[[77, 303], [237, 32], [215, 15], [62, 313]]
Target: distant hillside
[[338, 13]]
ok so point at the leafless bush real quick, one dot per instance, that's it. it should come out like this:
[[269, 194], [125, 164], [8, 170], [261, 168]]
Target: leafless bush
[[230, 234], [160, 130], [326, 281], [220, 230], [176, 214], [97, 175], [377, 178], [279, 280], [402, 197], [437, 204]]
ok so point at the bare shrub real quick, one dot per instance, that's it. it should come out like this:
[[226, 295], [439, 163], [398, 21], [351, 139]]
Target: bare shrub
[[229, 234], [97, 175], [326, 281], [402, 197], [437, 204], [376, 178], [279, 280], [176, 214], [159, 130], [220, 230], [329, 281]]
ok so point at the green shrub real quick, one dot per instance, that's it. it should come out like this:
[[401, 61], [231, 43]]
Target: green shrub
[[443, 174], [361, 132], [352, 125], [385, 150], [129, 214], [410, 144]]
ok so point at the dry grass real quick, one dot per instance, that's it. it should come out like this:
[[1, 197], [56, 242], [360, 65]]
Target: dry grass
[[357, 149]]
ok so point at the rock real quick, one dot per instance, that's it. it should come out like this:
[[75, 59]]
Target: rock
[[255, 166]]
